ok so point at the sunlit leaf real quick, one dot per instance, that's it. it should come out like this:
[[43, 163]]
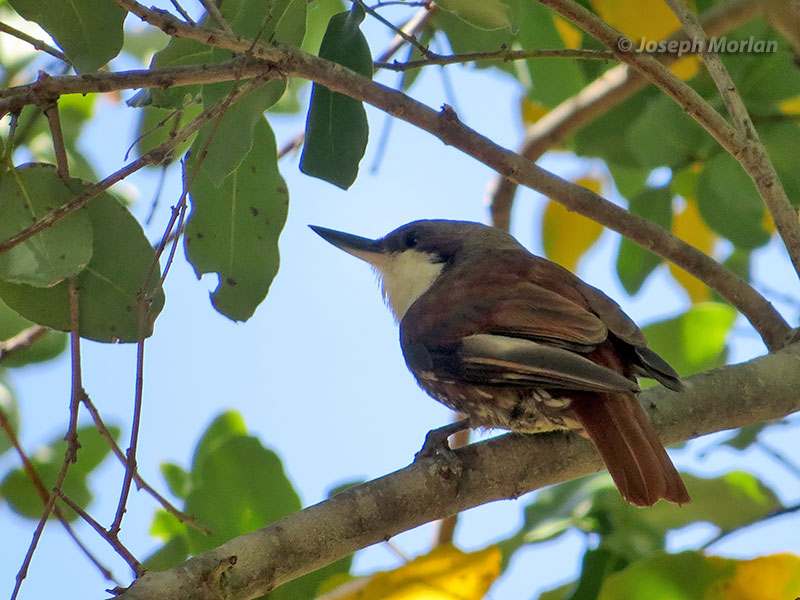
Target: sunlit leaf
[[645, 20], [691, 575], [443, 574], [729, 501], [689, 226], [567, 235], [694, 341], [571, 35]]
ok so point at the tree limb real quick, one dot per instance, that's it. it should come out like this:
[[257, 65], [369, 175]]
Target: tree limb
[[500, 468], [601, 95]]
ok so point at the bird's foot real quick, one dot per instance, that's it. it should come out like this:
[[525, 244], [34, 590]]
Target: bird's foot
[[436, 440]]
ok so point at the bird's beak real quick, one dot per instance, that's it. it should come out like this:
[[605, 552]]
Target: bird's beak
[[364, 248]]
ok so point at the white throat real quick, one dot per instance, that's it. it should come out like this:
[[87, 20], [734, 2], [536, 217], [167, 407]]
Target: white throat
[[405, 276]]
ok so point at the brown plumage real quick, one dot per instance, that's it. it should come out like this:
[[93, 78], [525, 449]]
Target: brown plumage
[[517, 342]]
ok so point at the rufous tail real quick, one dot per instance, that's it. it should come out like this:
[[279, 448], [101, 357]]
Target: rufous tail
[[628, 444]]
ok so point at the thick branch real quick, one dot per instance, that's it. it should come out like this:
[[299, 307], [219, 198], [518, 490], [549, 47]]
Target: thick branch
[[497, 469], [597, 98], [446, 126]]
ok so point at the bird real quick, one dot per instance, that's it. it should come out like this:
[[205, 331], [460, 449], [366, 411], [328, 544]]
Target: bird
[[515, 341]]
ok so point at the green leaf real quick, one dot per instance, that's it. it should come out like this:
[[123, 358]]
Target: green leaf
[[50, 345], [245, 478], [320, 13], [485, 14], [177, 479], [552, 79], [109, 286], [664, 135], [180, 52], [172, 553], [695, 340], [465, 38], [634, 263], [336, 128], [729, 203], [228, 424], [684, 576], [729, 502], [780, 140], [224, 143], [156, 125], [58, 252], [233, 229], [598, 565], [89, 31], [606, 136], [20, 492], [628, 180]]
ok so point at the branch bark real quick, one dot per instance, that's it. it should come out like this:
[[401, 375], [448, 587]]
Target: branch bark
[[500, 468]]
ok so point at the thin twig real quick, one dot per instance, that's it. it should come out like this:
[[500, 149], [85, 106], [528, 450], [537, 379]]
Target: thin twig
[[59, 148], [152, 157], [44, 495], [140, 482], [750, 151], [412, 27], [778, 457], [397, 30], [113, 540], [38, 44], [70, 454], [723, 534], [504, 55], [24, 339], [216, 15], [182, 12]]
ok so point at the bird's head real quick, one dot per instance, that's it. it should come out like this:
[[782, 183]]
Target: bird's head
[[410, 259]]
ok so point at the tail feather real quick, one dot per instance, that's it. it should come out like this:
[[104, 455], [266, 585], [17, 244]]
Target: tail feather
[[628, 444]]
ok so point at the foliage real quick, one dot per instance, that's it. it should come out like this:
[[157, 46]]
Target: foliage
[[664, 166]]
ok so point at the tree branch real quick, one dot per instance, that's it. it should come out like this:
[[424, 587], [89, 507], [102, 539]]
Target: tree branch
[[601, 95], [504, 55], [445, 125], [752, 154], [500, 468], [38, 44]]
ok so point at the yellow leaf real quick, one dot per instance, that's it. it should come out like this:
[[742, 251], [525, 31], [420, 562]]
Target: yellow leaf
[[532, 111], [646, 20], [566, 235], [570, 34], [775, 577], [444, 574], [790, 106], [690, 227]]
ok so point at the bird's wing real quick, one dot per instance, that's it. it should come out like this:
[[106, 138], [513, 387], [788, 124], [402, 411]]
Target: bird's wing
[[488, 359]]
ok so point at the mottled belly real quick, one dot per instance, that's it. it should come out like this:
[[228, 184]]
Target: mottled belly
[[525, 410]]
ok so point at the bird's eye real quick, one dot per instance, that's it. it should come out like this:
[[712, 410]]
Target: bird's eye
[[411, 238]]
